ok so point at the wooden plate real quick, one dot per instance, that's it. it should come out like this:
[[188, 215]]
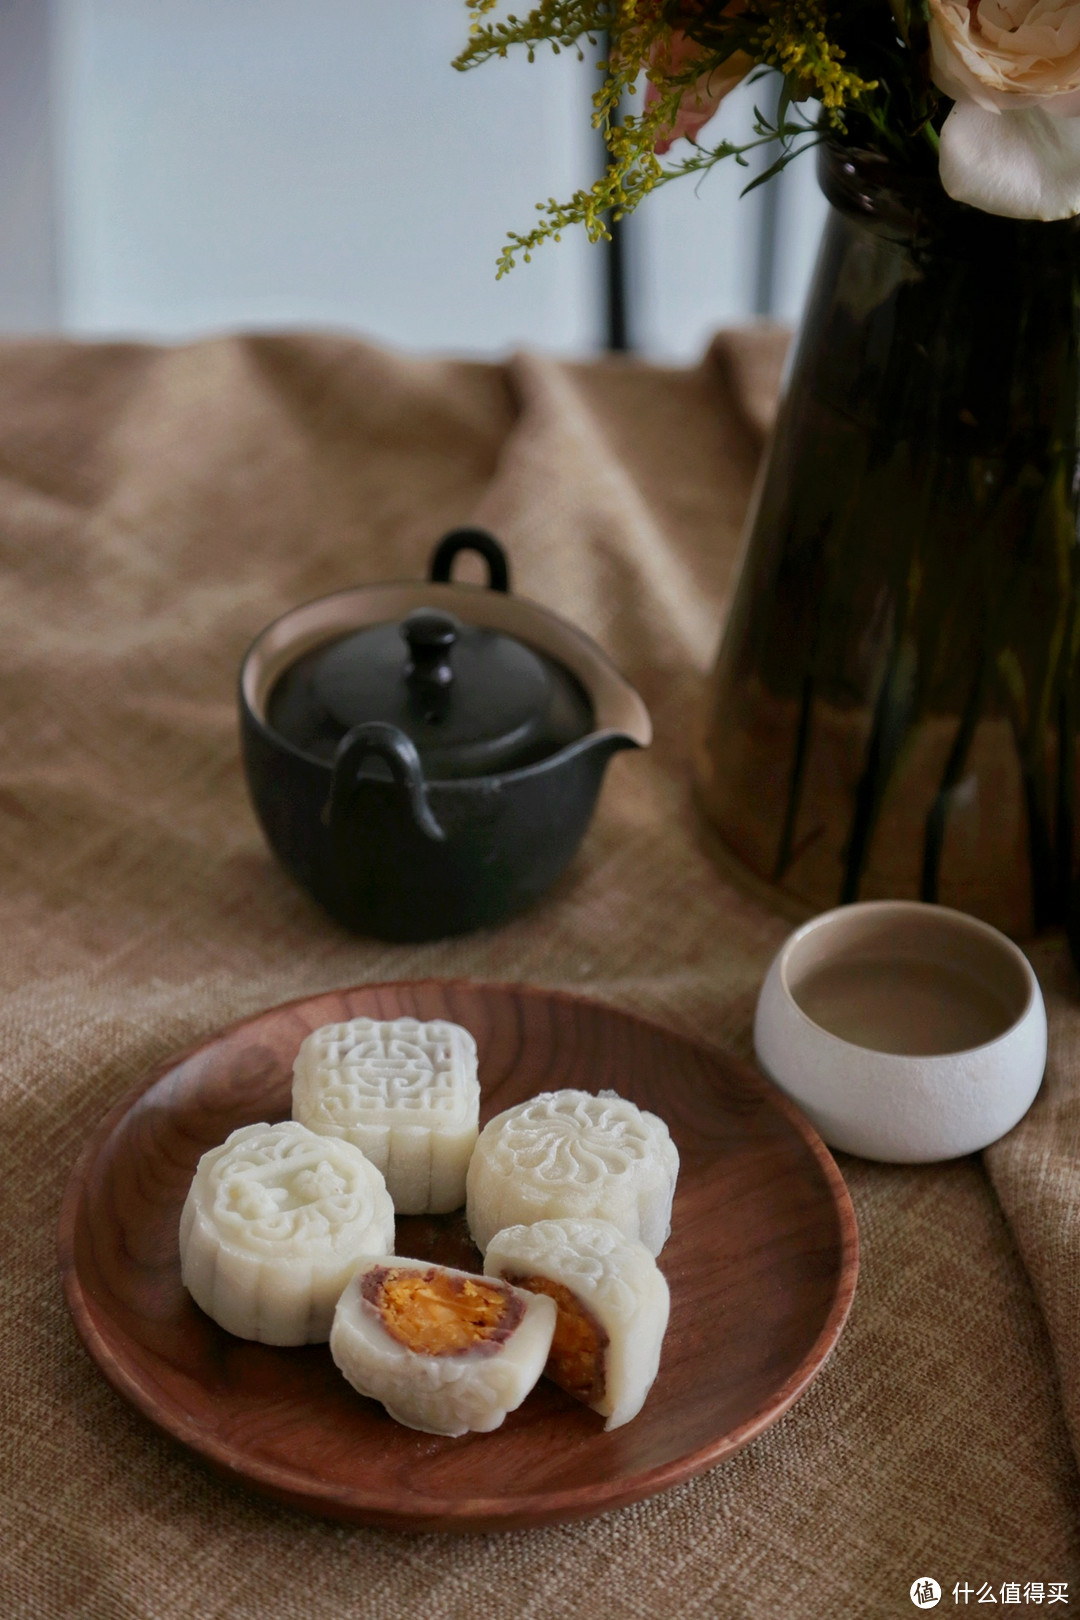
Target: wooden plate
[[761, 1262]]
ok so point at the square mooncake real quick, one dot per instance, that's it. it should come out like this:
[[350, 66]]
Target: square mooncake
[[405, 1093]]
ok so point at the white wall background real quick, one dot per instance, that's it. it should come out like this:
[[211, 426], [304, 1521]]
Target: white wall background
[[29, 292], [171, 167], [698, 251]]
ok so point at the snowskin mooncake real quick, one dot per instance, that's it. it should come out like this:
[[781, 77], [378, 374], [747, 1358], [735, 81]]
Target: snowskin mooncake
[[275, 1223], [405, 1093], [570, 1153], [443, 1350], [612, 1302]]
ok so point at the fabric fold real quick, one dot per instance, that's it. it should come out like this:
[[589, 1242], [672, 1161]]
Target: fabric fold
[[195, 493]]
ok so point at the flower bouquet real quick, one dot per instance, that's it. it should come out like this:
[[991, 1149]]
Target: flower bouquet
[[986, 93], [895, 704]]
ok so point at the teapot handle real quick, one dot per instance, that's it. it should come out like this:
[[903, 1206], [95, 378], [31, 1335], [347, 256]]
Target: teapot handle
[[396, 750], [467, 539]]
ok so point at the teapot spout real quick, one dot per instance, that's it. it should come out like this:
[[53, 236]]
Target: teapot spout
[[609, 742], [622, 720], [595, 749]]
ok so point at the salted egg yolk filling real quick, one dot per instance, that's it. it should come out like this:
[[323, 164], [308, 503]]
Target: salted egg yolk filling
[[440, 1313], [576, 1359]]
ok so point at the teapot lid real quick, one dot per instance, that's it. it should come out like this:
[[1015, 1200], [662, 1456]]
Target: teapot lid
[[474, 701]]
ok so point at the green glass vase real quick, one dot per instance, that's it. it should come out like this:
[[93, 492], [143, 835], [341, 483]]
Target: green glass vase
[[894, 707]]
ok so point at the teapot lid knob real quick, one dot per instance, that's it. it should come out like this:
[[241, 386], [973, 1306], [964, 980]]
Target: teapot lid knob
[[431, 635]]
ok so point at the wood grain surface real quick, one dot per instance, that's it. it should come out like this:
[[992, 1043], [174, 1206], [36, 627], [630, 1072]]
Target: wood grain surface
[[761, 1263]]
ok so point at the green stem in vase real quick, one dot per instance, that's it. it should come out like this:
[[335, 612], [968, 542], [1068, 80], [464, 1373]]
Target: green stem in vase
[[1067, 723], [1064, 785], [1049, 661], [935, 822], [798, 772], [892, 716], [1066, 791], [996, 588]]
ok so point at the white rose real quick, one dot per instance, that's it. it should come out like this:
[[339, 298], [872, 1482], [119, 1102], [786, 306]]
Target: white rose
[[1011, 144]]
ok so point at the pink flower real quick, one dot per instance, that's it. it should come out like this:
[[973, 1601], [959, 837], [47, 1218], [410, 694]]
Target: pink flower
[[700, 100], [1011, 143]]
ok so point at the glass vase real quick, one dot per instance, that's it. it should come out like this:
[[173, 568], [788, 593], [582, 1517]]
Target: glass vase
[[894, 707]]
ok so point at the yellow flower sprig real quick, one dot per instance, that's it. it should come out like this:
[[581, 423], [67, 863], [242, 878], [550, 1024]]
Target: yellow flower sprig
[[794, 38], [797, 38]]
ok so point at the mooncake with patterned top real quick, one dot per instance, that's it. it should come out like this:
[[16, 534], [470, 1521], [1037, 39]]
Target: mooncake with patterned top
[[570, 1153], [405, 1093], [612, 1302], [275, 1223]]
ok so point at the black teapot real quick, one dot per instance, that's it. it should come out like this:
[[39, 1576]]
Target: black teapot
[[425, 757]]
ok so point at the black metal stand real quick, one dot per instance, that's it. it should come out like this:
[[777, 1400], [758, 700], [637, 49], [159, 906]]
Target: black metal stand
[[616, 315]]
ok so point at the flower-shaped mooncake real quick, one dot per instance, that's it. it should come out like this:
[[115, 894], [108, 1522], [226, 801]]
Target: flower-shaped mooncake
[[276, 1221], [571, 1153]]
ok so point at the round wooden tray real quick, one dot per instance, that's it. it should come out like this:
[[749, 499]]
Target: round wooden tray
[[761, 1262]]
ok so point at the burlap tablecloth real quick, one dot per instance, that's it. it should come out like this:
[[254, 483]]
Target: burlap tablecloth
[[157, 507]]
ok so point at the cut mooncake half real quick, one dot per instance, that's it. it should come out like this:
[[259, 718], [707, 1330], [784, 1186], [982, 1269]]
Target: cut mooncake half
[[405, 1093], [445, 1351], [275, 1223], [612, 1302], [569, 1153]]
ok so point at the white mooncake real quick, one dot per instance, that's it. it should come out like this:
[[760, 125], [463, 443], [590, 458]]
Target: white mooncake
[[569, 1153], [276, 1222], [613, 1307], [444, 1351], [405, 1093]]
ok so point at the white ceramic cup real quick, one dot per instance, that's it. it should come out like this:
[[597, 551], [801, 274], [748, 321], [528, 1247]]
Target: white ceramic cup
[[905, 1032]]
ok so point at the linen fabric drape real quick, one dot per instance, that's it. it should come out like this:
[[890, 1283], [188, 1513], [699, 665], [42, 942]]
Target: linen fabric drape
[[157, 508]]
